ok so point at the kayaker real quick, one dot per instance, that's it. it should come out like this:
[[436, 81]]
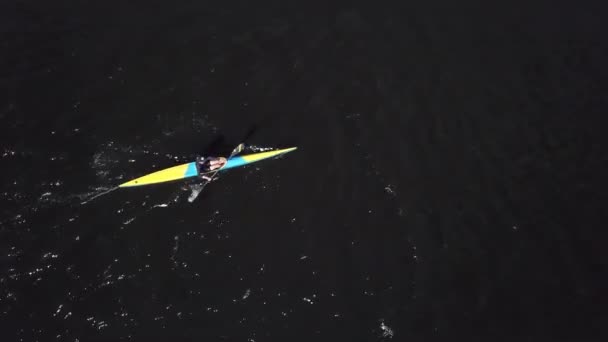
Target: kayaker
[[209, 164]]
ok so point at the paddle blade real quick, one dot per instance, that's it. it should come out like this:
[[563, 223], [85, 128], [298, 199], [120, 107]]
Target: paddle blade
[[237, 150]]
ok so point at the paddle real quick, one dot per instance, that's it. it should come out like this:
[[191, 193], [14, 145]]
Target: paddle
[[195, 192]]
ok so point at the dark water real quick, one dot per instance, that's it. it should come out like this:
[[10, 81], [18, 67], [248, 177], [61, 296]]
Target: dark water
[[449, 183]]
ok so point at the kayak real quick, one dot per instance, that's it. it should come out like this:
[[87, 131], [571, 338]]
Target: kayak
[[189, 170]]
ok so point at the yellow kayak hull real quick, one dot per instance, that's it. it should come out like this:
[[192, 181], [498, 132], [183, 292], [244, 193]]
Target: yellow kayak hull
[[189, 170]]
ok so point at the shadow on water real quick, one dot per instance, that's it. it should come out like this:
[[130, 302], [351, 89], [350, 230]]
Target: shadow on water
[[216, 145], [219, 145], [250, 133]]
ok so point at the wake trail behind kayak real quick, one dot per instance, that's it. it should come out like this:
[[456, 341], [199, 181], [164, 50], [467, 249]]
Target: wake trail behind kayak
[[105, 192]]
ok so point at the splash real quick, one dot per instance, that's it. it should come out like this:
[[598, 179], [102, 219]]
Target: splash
[[387, 332], [255, 148]]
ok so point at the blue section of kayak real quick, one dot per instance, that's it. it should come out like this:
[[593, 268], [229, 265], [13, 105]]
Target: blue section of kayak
[[234, 162], [191, 170], [231, 163]]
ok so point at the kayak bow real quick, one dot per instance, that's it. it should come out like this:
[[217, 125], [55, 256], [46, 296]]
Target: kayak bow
[[188, 170]]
